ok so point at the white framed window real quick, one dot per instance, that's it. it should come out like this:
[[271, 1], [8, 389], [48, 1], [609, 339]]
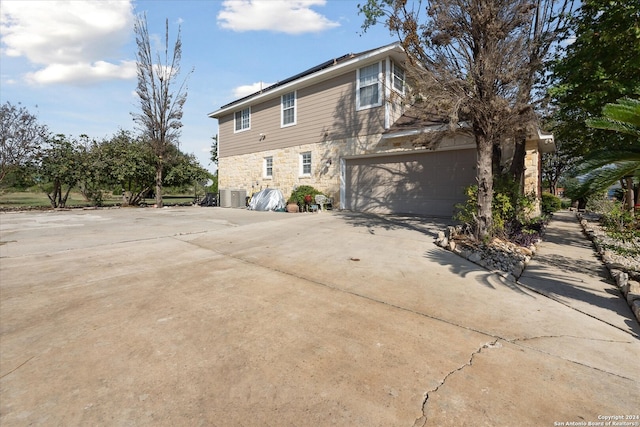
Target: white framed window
[[398, 77], [369, 93], [242, 120], [288, 110], [305, 163], [268, 167]]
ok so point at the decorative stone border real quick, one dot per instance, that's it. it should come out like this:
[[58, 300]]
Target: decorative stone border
[[624, 272], [500, 257]]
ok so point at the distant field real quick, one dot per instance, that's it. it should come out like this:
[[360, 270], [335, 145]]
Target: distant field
[[37, 200]]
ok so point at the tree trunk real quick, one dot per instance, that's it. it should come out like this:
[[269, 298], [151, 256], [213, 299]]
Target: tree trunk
[[53, 197], [630, 197], [517, 163], [485, 185], [159, 184], [63, 200]]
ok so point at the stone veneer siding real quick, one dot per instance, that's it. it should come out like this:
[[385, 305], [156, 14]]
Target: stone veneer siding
[[532, 170], [246, 172]]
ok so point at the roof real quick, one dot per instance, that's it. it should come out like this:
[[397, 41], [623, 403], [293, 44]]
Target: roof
[[412, 122], [319, 72]]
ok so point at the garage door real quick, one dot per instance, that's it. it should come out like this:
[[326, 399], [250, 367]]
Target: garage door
[[426, 183]]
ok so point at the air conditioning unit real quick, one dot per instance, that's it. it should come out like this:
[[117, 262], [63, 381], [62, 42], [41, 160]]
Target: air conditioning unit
[[225, 198], [238, 198]]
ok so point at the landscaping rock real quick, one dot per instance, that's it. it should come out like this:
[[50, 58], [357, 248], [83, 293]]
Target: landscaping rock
[[624, 269], [475, 257]]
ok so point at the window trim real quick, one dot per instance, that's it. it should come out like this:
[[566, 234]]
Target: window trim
[[235, 120], [302, 164], [265, 169], [378, 83], [295, 109], [393, 78]]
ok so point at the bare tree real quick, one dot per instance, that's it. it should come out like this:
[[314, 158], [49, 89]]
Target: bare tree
[[475, 62], [20, 137], [161, 100]]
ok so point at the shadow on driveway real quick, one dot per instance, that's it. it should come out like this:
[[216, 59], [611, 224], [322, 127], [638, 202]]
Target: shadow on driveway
[[426, 225]]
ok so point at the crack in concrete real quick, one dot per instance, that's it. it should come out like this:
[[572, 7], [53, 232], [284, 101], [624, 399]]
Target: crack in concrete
[[422, 421], [516, 340], [17, 367], [595, 368]]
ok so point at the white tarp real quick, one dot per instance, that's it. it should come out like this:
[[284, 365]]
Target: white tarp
[[267, 200]]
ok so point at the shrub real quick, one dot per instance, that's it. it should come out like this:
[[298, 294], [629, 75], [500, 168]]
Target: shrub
[[298, 194], [620, 223], [509, 206], [550, 203]]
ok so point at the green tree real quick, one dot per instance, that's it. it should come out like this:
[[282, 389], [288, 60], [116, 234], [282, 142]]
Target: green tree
[[187, 170], [92, 178], [554, 167], [214, 150], [20, 138], [60, 169], [128, 163], [161, 100], [607, 167], [601, 66], [476, 61], [213, 188]]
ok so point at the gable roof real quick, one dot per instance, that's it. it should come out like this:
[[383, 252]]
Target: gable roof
[[324, 71]]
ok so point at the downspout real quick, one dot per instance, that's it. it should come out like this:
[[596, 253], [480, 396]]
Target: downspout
[[343, 169]]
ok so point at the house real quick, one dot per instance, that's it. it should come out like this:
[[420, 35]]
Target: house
[[344, 128]]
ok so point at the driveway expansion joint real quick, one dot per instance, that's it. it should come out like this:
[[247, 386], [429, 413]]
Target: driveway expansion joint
[[559, 301]]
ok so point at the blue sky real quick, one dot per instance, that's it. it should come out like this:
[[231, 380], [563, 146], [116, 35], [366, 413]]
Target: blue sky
[[72, 62]]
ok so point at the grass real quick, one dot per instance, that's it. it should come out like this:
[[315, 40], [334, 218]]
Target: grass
[[29, 199]]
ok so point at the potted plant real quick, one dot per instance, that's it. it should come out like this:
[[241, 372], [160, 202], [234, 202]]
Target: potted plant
[[303, 196], [292, 205]]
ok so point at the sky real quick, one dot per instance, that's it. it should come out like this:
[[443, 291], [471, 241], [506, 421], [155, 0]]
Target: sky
[[72, 63]]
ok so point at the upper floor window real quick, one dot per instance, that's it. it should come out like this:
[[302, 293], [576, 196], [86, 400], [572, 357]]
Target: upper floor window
[[305, 163], [242, 119], [368, 93], [288, 109], [398, 76], [268, 167]]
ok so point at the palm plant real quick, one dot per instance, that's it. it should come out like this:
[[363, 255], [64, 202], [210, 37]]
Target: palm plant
[[604, 169]]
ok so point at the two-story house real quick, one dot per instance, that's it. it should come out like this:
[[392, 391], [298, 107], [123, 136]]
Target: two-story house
[[342, 128]]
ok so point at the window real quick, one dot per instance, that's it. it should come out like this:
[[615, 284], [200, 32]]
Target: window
[[305, 163], [398, 78], [368, 93], [268, 167], [242, 119], [288, 109]]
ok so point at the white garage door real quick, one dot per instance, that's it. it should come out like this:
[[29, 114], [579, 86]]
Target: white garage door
[[422, 183]]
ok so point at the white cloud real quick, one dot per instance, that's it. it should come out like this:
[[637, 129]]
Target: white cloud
[[71, 40], [245, 90], [285, 16], [83, 73]]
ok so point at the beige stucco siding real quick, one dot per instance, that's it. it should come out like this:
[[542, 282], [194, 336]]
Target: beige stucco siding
[[325, 111]]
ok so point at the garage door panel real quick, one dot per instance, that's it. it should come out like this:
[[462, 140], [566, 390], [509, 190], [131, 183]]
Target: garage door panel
[[425, 183]]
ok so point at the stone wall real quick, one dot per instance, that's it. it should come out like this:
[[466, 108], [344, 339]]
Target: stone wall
[[247, 171], [532, 164]]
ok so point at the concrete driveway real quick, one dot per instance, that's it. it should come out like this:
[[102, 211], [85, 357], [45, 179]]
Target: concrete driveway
[[222, 317]]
